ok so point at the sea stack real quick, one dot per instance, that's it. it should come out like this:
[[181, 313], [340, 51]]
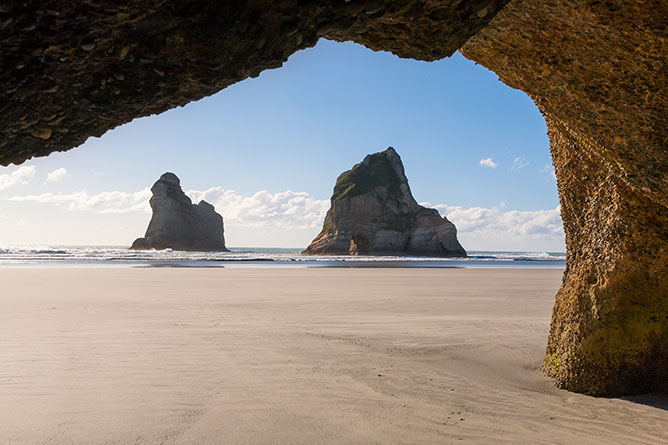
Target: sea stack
[[374, 213], [179, 224]]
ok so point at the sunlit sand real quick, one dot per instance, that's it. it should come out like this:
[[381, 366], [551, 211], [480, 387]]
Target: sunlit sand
[[260, 355]]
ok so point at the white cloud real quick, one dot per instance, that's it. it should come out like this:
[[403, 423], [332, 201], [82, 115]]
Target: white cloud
[[494, 223], [105, 202], [57, 175], [300, 210], [519, 163], [17, 177], [487, 162], [288, 210]]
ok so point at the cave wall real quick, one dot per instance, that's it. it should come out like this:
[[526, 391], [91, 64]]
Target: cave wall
[[597, 72], [595, 69], [609, 330]]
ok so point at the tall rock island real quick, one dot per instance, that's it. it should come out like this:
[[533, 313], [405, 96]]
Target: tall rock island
[[374, 213], [179, 224]]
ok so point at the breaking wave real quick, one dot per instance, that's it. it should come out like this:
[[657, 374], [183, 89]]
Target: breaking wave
[[117, 255]]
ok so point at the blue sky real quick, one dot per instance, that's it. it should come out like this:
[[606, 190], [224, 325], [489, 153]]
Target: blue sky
[[467, 141]]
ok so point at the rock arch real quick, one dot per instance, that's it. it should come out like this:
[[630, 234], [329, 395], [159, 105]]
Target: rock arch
[[595, 69]]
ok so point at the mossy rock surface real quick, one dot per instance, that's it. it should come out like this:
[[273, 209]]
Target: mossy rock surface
[[376, 170]]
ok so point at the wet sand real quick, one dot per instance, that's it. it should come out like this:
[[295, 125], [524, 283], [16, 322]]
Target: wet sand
[[270, 355]]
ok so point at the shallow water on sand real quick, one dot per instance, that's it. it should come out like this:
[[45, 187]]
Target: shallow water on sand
[[54, 255]]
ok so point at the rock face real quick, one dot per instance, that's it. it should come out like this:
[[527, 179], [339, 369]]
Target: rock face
[[179, 224], [597, 73], [595, 69], [373, 212]]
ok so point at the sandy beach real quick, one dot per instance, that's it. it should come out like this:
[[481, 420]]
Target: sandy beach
[[299, 355]]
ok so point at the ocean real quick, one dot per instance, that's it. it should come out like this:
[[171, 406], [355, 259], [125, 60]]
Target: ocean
[[54, 255]]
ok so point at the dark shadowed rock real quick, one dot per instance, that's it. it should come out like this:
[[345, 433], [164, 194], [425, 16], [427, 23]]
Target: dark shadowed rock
[[373, 212], [71, 70], [179, 224]]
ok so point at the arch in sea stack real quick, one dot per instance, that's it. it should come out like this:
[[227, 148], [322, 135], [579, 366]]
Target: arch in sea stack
[[595, 69]]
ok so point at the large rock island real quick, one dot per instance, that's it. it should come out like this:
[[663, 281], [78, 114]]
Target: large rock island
[[374, 213], [179, 224]]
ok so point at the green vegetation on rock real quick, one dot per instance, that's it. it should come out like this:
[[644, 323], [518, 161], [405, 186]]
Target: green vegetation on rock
[[374, 171], [327, 226]]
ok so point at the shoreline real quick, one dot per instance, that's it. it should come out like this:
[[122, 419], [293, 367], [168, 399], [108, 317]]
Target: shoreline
[[269, 264], [87, 256]]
